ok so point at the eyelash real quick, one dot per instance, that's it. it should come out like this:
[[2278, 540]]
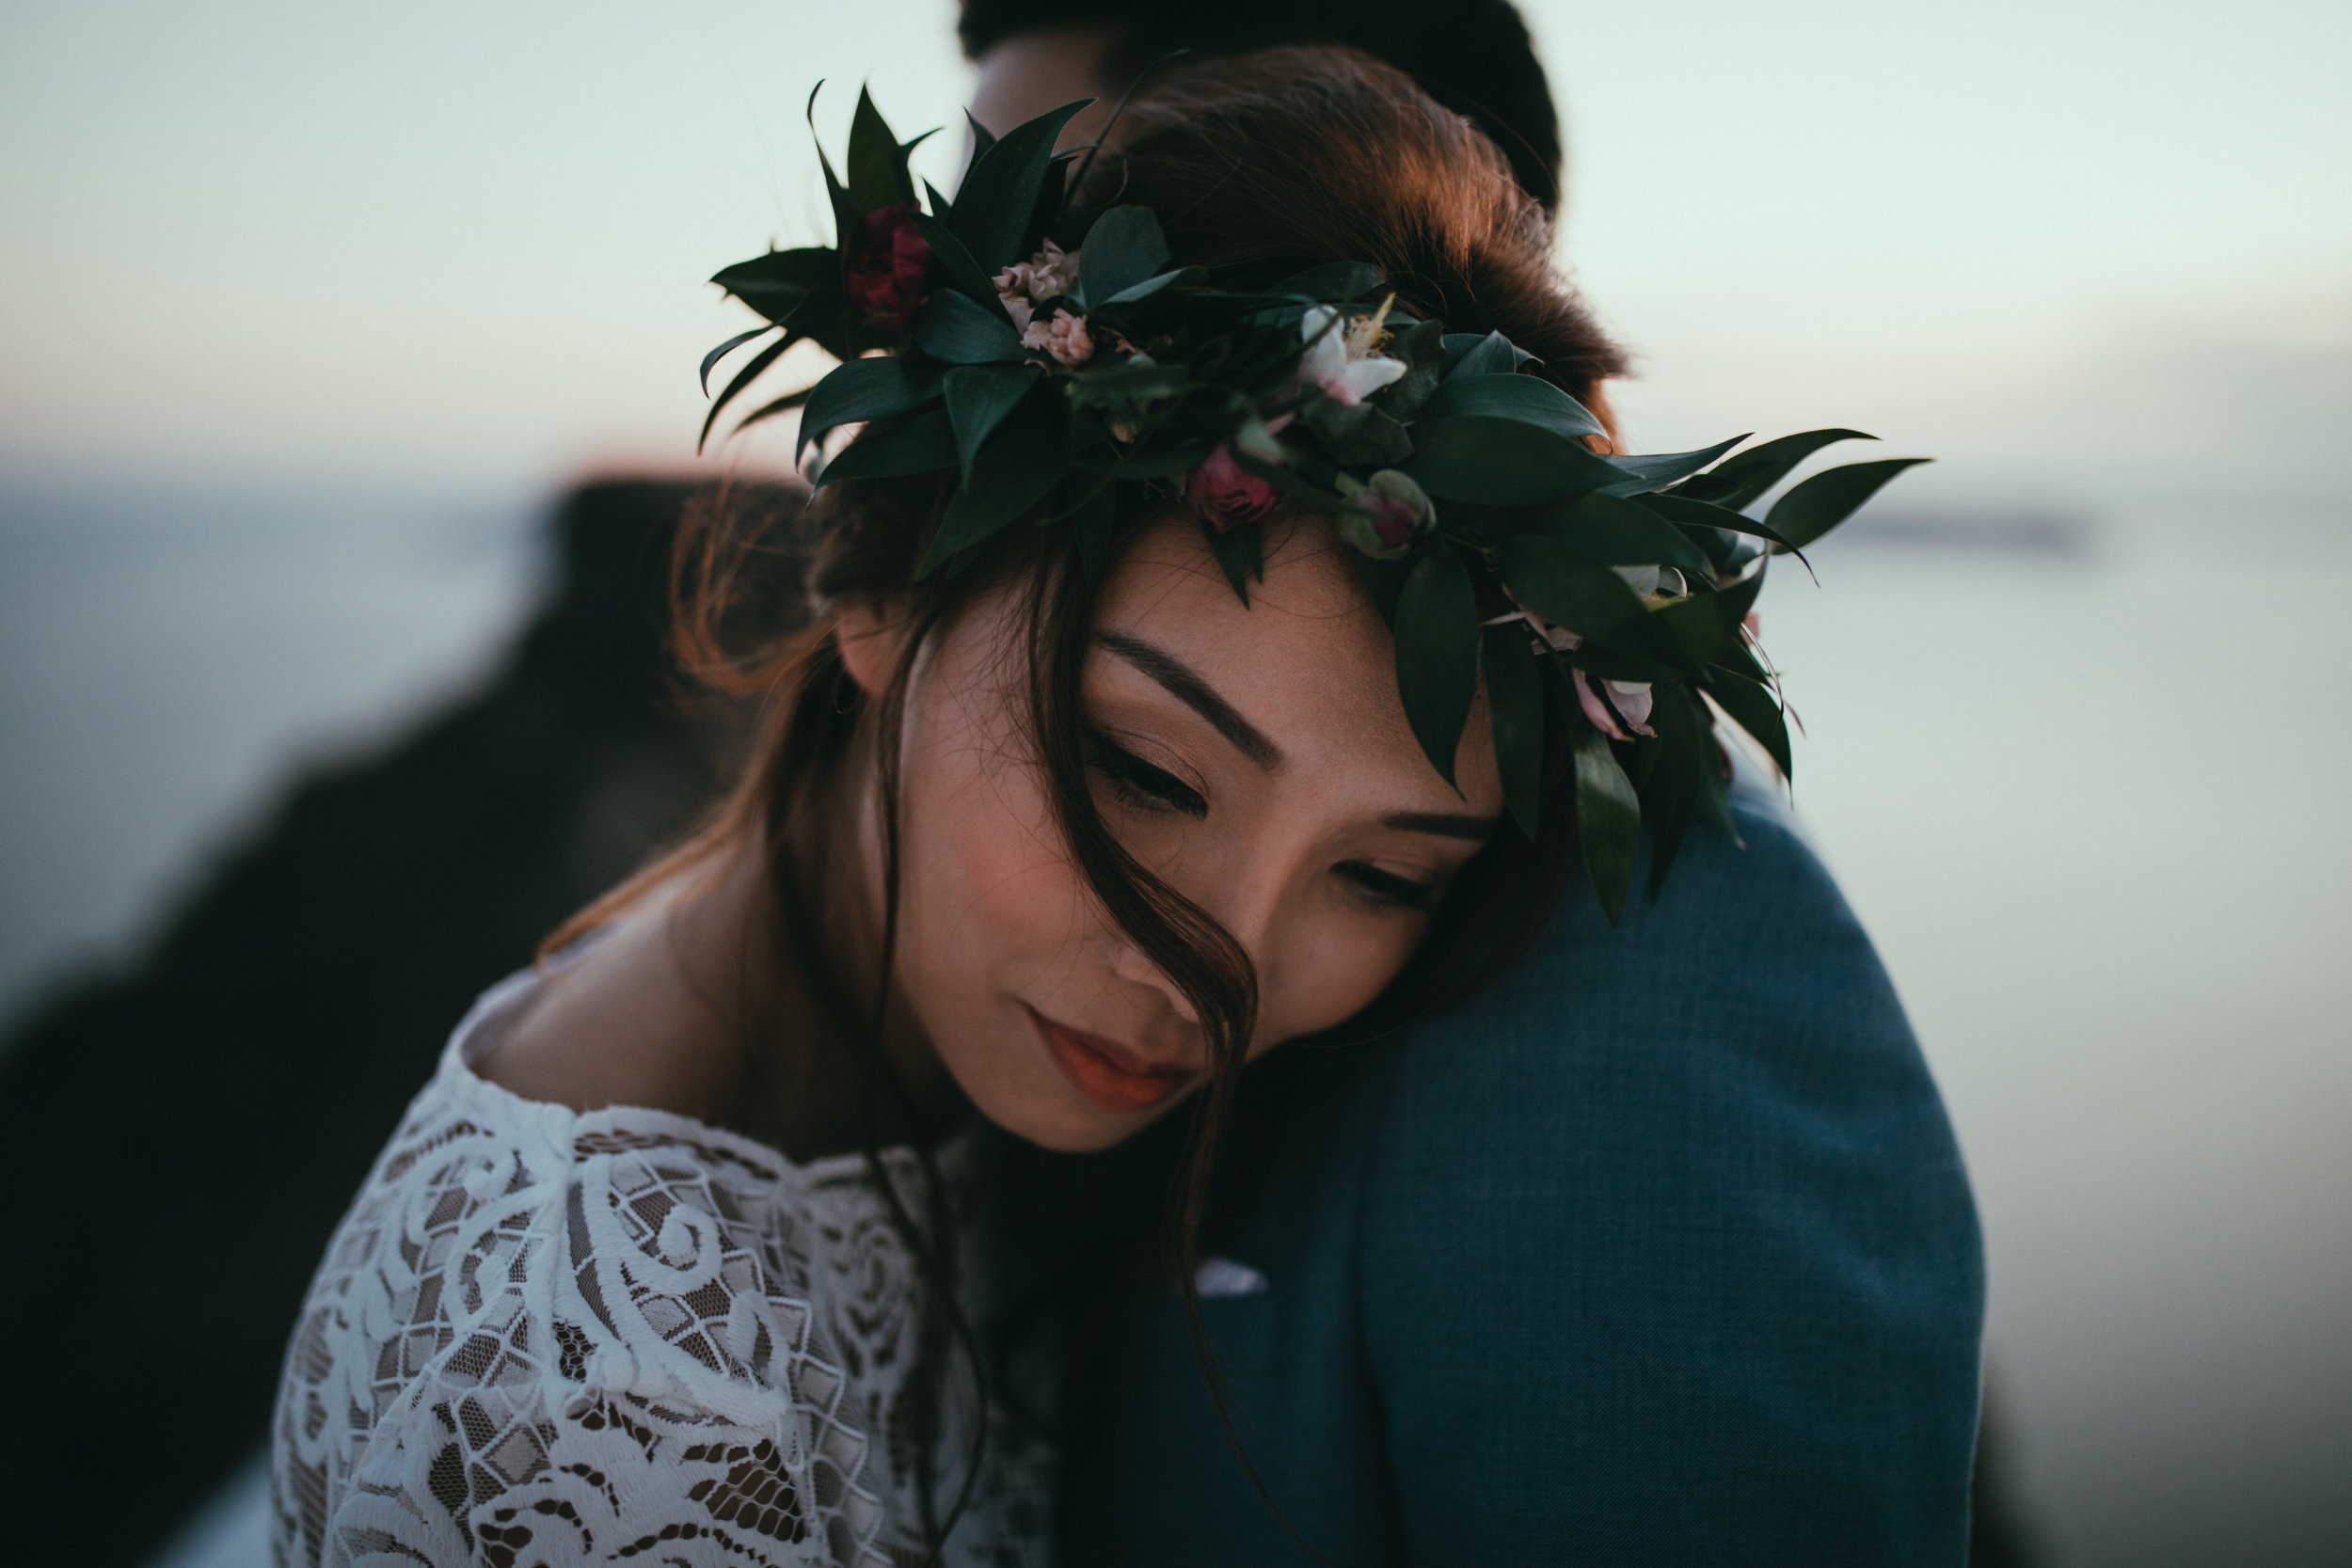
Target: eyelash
[[1138, 783]]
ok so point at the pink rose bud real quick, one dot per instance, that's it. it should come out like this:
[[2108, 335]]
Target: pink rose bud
[[1394, 519], [1225, 494], [887, 279]]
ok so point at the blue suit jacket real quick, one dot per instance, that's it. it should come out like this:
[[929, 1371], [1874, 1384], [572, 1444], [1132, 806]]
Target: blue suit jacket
[[1658, 1252]]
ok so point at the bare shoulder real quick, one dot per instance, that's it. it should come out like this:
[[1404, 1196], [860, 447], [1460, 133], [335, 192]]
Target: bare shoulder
[[625, 1024]]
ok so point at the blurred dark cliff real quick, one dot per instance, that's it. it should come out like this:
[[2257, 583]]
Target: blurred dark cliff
[[183, 1135]]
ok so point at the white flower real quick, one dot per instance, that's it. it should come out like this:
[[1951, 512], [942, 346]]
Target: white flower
[[1342, 363]]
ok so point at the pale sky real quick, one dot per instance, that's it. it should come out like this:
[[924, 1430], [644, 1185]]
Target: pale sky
[[465, 242]]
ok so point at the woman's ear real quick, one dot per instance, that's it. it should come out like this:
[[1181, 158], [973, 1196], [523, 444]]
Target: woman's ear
[[871, 639]]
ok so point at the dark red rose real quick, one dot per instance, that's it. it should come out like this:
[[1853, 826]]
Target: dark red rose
[[1225, 494], [887, 279]]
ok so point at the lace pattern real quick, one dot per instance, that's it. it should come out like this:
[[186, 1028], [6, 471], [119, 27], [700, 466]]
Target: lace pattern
[[547, 1338]]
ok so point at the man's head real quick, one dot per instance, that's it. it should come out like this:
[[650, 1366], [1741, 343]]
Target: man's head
[[1472, 56]]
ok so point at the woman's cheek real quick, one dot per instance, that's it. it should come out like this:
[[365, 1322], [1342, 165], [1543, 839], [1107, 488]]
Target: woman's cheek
[[1336, 972]]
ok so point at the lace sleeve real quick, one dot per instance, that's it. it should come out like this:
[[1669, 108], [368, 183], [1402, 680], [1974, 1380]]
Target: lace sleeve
[[591, 1353]]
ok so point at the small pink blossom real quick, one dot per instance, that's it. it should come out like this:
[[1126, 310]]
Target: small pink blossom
[[1630, 700], [1065, 337], [1024, 286], [1394, 519], [1225, 494]]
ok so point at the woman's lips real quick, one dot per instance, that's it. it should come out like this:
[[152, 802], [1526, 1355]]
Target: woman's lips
[[1105, 1071]]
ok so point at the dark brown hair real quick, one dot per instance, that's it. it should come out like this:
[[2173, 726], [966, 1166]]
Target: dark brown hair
[[1473, 57], [1300, 155]]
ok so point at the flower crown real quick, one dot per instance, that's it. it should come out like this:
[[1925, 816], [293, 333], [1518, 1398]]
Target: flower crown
[[1611, 595]]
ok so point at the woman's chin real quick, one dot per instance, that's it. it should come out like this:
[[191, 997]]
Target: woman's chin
[[1064, 1122]]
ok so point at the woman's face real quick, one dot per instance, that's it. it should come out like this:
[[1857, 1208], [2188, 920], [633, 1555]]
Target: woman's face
[[1257, 758]]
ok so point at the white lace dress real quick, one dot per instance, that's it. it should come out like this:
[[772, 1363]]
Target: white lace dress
[[625, 1337]]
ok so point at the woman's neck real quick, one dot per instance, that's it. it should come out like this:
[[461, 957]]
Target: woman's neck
[[748, 1002]]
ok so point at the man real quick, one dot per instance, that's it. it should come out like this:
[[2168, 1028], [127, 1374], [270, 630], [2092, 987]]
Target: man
[[1658, 1252]]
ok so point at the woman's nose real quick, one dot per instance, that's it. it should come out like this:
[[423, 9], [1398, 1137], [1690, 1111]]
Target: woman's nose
[[1129, 963]]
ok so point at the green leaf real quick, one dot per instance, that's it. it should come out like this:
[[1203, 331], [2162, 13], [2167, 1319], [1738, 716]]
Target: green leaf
[[779, 283], [1829, 498], [1437, 655], [744, 377], [956, 331], [1466, 354], [1657, 470], [1738, 480], [877, 165], [847, 230], [1121, 382], [1620, 533], [1241, 551], [1515, 709], [999, 194], [1360, 435], [1151, 285], [1524, 398], [1749, 706], [1565, 586], [1477, 457], [963, 274], [916, 445], [1571, 589], [772, 407], [863, 389], [1384, 582], [1706, 626], [979, 398], [712, 359], [1676, 506], [982, 139], [1714, 799], [1012, 472], [1607, 816], [1670, 793], [1422, 346], [1121, 251], [1334, 282]]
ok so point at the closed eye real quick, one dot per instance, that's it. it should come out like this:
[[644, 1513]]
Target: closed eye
[[1388, 889], [1135, 783]]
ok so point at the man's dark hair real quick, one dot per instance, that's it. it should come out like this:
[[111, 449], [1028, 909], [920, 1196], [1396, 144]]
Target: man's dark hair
[[1472, 56]]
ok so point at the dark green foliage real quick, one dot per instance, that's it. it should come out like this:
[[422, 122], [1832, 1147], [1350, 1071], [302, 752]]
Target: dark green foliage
[[868, 389], [1514, 397], [1510, 550], [1828, 498], [1514, 707], [1607, 816], [1437, 654]]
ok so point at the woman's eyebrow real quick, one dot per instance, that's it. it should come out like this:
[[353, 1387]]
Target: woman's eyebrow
[[1178, 680], [1445, 825]]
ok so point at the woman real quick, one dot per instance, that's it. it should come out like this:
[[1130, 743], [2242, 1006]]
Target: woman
[[1104, 770]]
